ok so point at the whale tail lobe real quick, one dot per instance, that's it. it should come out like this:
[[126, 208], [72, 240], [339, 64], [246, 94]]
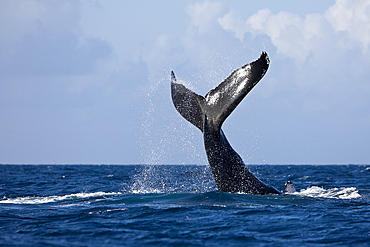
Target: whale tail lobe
[[219, 102], [189, 104]]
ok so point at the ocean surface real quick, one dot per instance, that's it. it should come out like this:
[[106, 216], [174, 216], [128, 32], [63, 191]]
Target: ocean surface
[[178, 205]]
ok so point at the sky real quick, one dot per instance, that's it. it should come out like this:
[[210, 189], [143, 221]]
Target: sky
[[88, 82]]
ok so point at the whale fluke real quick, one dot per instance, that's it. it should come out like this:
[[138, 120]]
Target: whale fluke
[[208, 114]]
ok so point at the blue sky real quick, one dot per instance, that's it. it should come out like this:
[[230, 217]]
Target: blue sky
[[87, 82]]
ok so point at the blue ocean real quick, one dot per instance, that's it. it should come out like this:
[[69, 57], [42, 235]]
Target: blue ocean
[[178, 205]]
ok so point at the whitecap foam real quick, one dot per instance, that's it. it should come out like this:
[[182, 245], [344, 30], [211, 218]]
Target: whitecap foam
[[146, 191], [336, 193], [108, 210], [48, 199]]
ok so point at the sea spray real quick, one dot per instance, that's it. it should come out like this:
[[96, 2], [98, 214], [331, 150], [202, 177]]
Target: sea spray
[[164, 139], [159, 179]]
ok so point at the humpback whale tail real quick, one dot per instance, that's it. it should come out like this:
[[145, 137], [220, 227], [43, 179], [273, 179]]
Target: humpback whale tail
[[208, 114], [218, 103]]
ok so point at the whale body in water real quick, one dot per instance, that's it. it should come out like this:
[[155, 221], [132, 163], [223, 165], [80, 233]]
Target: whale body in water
[[208, 114]]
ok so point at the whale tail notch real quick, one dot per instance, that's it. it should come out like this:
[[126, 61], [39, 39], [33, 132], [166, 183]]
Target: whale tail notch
[[221, 101]]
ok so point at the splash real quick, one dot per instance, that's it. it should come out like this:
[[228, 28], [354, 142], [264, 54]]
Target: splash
[[163, 137], [148, 181], [49, 199], [171, 179], [334, 193]]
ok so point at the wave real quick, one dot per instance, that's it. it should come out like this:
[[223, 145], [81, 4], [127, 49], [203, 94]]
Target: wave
[[334, 193], [49, 199], [313, 191]]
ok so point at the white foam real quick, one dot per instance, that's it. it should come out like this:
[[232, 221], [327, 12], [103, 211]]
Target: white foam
[[147, 191], [108, 210], [48, 199], [336, 193]]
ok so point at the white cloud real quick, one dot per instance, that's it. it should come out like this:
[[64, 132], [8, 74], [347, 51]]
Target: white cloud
[[292, 35], [204, 14], [298, 37], [353, 18], [232, 22]]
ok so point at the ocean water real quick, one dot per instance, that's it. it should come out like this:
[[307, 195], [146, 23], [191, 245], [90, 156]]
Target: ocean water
[[163, 205]]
